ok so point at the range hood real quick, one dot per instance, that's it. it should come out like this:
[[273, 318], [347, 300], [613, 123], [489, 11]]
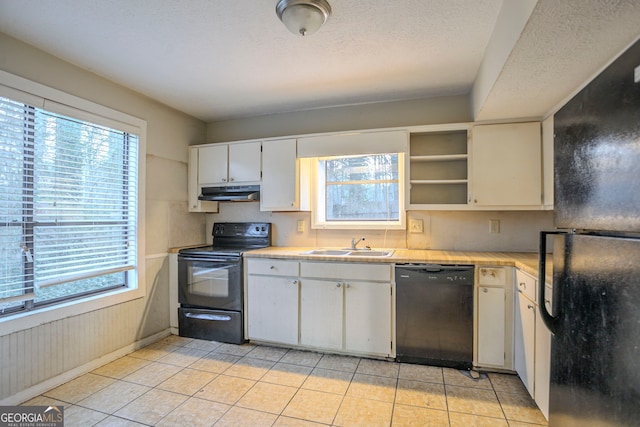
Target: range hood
[[238, 193]]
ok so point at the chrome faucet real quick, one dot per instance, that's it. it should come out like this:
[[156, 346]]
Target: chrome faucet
[[354, 242]]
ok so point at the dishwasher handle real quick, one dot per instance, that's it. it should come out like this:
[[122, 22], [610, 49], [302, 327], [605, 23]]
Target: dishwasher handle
[[435, 268]]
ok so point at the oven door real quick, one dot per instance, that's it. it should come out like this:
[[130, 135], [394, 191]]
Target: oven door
[[210, 282]]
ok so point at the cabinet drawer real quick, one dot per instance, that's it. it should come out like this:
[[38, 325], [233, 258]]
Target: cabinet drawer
[[492, 276], [273, 267], [346, 271], [526, 284]]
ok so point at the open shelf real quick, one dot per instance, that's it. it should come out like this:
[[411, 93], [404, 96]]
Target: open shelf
[[438, 168]]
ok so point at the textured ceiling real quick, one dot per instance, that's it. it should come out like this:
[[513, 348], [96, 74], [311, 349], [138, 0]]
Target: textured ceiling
[[222, 59], [218, 59], [563, 45]]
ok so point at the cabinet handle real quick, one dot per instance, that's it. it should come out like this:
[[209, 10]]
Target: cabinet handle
[[230, 179], [530, 306], [523, 285], [485, 290], [347, 285], [338, 285], [294, 282], [273, 267], [224, 179]]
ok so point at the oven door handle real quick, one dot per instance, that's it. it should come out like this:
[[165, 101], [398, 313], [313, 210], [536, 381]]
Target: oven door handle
[[210, 259], [212, 317]]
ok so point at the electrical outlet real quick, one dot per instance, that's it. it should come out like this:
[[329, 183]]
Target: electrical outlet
[[494, 226], [300, 225], [416, 226]]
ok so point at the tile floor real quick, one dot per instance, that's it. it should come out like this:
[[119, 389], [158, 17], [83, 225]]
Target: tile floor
[[183, 382]]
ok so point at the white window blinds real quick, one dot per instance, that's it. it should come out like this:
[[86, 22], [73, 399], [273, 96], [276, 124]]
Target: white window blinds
[[68, 206]]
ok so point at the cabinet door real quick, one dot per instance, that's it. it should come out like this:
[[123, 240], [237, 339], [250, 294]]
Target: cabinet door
[[244, 162], [193, 189], [525, 321], [273, 309], [280, 177], [368, 317], [491, 326], [507, 165], [321, 313], [212, 164], [542, 365]]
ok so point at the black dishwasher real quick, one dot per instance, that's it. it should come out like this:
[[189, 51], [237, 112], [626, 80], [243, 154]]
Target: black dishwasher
[[434, 314]]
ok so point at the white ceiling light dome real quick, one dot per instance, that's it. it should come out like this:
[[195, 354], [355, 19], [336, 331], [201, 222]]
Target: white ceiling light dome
[[303, 17]]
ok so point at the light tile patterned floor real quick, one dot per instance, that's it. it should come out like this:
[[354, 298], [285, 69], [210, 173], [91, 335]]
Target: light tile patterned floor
[[183, 382]]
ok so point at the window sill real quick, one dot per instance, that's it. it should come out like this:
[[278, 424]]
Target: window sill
[[354, 225], [29, 319]]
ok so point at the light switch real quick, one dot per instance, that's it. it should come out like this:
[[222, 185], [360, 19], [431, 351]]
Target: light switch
[[494, 226], [300, 226]]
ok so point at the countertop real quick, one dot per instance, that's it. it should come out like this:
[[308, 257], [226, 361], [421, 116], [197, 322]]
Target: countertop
[[526, 261], [177, 249]]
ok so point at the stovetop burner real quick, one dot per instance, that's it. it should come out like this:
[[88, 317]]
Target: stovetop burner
[[234, 238]]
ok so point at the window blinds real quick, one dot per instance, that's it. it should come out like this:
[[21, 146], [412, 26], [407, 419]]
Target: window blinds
[[68, 205]]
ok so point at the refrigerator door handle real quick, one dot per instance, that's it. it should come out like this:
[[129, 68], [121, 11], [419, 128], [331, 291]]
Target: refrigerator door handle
[[549, 320]]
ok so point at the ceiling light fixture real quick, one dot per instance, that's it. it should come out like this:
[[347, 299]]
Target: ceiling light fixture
[[303, 17]]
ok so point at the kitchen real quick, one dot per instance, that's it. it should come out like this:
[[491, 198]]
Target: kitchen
[[168, 224]]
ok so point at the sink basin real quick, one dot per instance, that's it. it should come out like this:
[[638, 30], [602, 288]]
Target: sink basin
[[370, 253], [333, 252], [348, 252]]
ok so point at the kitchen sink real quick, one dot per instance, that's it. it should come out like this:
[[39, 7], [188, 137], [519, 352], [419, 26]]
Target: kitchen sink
[[371, 253], [348, 252], [332, 252]]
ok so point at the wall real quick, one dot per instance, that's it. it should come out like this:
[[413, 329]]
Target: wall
[[443, 230], [451, 109], [35, 355]]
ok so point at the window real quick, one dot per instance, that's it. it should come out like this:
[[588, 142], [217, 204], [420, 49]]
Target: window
[[361, 191], [68, 206]]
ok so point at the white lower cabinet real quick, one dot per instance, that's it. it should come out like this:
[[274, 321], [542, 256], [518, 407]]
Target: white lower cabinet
[[368, 317], [273, 309], [524, 340], [344, 307], [491, 325], [494, 317], [321, 318], [272, 300], [542, 365], [532, 348]]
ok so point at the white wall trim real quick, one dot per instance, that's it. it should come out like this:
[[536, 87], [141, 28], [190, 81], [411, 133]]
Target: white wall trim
[[67, 376], [156, 256]]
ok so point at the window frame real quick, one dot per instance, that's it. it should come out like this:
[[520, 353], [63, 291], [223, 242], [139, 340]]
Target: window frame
[[51, 99], [318, 195]]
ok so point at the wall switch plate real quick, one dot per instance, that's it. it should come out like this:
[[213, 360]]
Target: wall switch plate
[[300, 225], [416, 226], [494, 226]]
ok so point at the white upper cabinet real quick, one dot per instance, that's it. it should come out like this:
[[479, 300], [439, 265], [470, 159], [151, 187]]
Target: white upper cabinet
[[507, 166], [193, 188], [284, 187], [235, 163], [244, 162]]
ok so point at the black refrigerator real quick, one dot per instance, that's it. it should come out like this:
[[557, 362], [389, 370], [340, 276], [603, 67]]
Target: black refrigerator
[[595, 318]]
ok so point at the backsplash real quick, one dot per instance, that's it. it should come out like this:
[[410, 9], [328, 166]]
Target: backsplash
[[443, 230]]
